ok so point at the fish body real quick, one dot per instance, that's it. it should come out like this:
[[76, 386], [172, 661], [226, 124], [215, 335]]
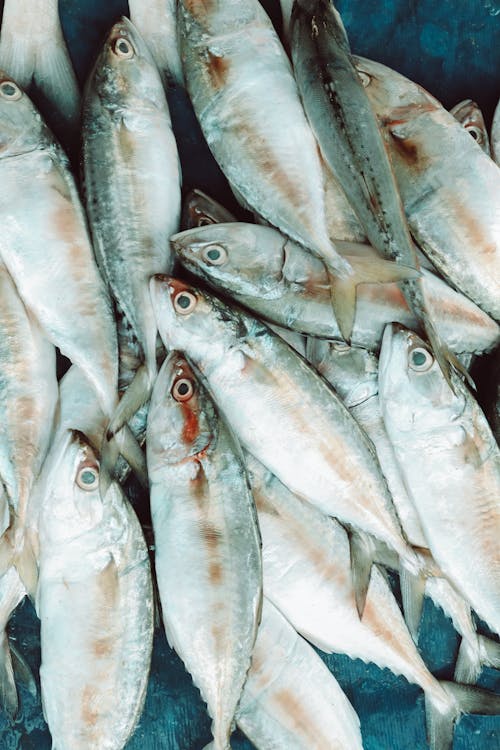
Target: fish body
[[451, 465], [60, 285], [449, 187], [279, 280], [279, 408], [246, 100], [156, 21], [207, 544], [132, 177], [291, 701], [94, 600], [468, 114]]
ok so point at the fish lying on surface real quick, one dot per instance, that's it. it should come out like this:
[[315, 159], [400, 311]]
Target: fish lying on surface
[[207, 543], [468, 114]]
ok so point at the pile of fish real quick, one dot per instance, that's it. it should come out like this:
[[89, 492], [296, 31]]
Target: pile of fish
[[294, 392]]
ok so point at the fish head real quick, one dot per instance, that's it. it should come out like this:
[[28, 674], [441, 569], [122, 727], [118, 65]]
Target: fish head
[[352, 370], [247, 259], [182, 422], [199, 210], [22, 128], [469, 115], [413, 391], [125, 73]]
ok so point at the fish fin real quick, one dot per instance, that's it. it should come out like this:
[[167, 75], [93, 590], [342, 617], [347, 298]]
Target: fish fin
[[468, 664], [363, 554], [22, 671], [364, 271], [133, 454], [8, 691], [446, 359], [412, 595], [465, 699], [27, 567], [55, 77], [490, 652], [17, 53], [134, 397], [316, 350]]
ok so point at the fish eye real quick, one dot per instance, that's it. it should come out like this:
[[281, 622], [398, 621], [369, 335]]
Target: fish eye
[[365, 78], [216, 255], [475, 133], [122, 48], [420, 359], [87, 478], [9, 90], [204, 221], [185, 302], [182, 390]]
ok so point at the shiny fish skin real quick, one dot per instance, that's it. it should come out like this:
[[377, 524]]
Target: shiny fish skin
[[132, 178], [280, 281], [246, 100], [280, 409], [468, 114], [291, 701], [28, 398], [307, 575], [207, 543], [450, 188], [95, 604], [46, 247], [156, 20], [451, 465]]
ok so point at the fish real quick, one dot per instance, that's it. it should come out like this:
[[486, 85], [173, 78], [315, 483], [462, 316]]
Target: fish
[[450, 462], [33, 51], [306, 566], [280, 409], [94, 599], [449, 187], [46, 247], [291, 700], [156, 21], [350, 140], [246, 100], [29, 392], [207, 542], [280, 281], [12, 592], [132, 188], [495, 135], [286, 12], [199, 209], [468, 114]]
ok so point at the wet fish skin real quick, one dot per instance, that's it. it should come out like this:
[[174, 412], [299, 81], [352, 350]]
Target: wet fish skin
[[282, 282], [246, 100], [468, 114], [451, 465], [450, 188], [279, 408], [291, 701], [156, 21], [495, 135], [94, 601], [40, 208], [132, 177], [207, 543]]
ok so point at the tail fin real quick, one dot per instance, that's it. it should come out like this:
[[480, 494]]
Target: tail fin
[[22, 671], [137, 393], [55, 77], [8, 691], [472, 655], [363, 555], [463, 699], [412, 595], [365, 271]]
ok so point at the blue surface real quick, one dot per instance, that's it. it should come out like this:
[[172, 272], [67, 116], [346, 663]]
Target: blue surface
[[452, 48]]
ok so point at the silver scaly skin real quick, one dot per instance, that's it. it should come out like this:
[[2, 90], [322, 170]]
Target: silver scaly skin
[[451, 467], [468, 114], [207, 543], [291, 701], [280, 409], [245, 97], [280, 281], [449, 187]]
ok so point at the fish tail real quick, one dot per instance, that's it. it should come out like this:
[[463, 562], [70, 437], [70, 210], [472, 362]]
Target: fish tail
[[364, 271], [363, 554], [17, 48], [8, 691], [473, 655], [442, 715], [137, 393], [129, 448], [55, 77], [412, 595]]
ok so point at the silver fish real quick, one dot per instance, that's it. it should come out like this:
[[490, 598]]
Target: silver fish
[[468, 114], [156, 20], [132, 183], [207, 543], [94, 600], [291, 701], [450, 188], [280, 409], [40, 208], [451, 466], [282, 282], [246, 100]]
